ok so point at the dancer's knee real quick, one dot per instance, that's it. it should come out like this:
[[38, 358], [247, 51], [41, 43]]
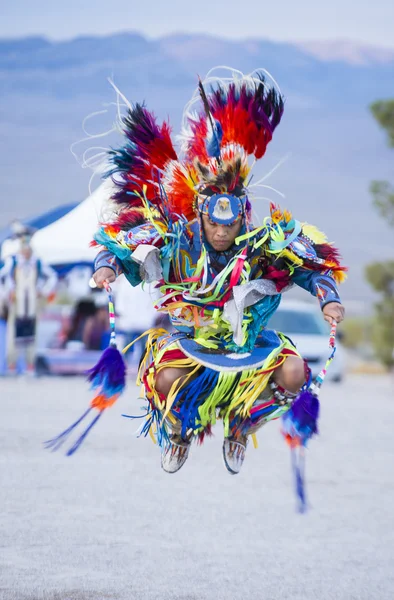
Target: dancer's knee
[[166, 377], [291, 375]]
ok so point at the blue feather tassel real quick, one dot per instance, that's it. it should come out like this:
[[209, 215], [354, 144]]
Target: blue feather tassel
[[109, 374], [108, 379], [299, 424], [55, 443], [298, 466], [79, 441]]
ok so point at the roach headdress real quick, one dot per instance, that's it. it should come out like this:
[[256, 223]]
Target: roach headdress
[[227, 126]]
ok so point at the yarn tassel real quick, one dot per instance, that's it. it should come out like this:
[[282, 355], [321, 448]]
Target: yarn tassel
[[298, 467], [55, 443], [299, 423], [108, 376], [108, 379], [79, 441]]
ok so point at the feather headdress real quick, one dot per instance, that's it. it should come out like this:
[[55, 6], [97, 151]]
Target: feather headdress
[[228, 120]]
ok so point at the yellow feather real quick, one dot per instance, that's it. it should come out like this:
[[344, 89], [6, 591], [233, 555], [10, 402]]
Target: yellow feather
[[290, 256], [314, 234], [276, 215], [339, 276]]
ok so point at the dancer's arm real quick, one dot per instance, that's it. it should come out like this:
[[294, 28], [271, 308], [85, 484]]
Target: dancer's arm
[[312, 261], [134, 253], [106, 268], [323, 286]]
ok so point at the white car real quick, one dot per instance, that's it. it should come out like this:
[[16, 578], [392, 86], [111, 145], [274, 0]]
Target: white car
[[303, 323]]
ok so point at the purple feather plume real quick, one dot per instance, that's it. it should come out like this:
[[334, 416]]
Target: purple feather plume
[[109, 373], [299, 424], [301, 420], [108, 377]]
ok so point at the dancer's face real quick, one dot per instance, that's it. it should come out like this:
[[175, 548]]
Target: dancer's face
[[220, 237]]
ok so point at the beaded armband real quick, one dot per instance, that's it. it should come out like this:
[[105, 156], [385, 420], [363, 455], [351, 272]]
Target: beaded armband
[[105, 258], [326, 290]]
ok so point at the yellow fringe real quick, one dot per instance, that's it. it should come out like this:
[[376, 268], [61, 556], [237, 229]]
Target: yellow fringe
[[249, 389]]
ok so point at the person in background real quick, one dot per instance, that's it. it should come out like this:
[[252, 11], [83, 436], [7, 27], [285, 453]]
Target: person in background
[[95, 335], [27, 281], [3, 330], [73, 331]]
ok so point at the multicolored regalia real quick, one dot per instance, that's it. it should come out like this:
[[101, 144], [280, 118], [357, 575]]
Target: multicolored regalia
[[219, 302]]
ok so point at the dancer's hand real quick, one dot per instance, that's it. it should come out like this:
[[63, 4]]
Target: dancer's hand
[[334, 311], [103, 275]]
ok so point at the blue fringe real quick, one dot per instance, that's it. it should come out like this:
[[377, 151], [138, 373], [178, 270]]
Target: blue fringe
[[162, 436], [79, 441], [58, 441], [263, 412], [136, 416], [193, 396]]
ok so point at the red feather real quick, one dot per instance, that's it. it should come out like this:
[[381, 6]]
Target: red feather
[[248, 117]]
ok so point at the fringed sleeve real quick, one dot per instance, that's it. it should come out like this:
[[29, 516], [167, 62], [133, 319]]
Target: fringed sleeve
[[311, 261], [318, 284], [105, 258], [321, 269], [119, 248]]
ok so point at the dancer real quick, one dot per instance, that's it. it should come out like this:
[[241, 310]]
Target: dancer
[[186, 223], [26, 280]]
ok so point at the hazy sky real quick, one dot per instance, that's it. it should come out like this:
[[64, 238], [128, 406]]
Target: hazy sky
[[288, 20]]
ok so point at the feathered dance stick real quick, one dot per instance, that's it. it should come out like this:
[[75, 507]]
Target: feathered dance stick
[[299, 424], [108, 379]]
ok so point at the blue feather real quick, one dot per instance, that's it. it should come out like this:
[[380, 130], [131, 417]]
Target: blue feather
[[212, 143]]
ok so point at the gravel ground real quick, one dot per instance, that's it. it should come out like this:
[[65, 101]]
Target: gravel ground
[[108, 524]]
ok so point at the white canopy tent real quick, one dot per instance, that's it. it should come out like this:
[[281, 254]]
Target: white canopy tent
[[67, 240]]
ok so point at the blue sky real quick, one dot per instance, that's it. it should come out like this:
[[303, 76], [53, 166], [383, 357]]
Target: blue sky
[[284, 20]]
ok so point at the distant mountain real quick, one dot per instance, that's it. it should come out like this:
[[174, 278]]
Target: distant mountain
[[48, 88], [80, 66], [348, 51]]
